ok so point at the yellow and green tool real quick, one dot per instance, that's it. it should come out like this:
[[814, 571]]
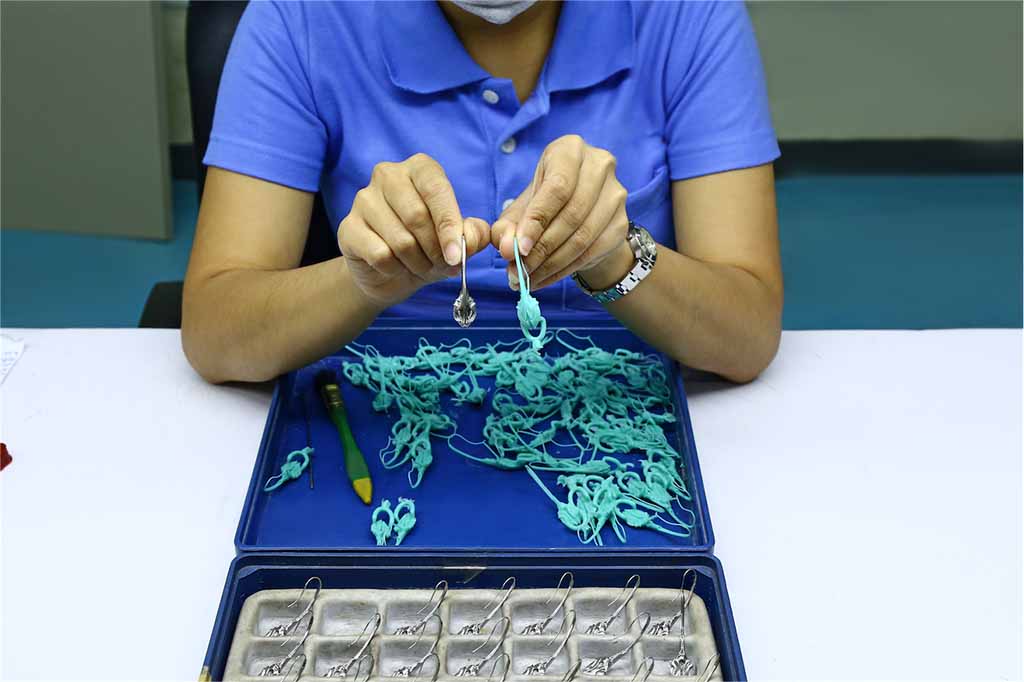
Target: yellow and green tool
[[355, 463]]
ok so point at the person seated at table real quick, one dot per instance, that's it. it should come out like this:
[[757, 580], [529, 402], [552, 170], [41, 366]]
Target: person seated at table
[[595, 132]]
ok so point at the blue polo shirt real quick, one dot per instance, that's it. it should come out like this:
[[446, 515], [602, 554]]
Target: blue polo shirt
[[314, 95]]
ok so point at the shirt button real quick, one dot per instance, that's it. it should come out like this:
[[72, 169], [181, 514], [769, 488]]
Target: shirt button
[[490, 96], [505, 204], [509, 145]]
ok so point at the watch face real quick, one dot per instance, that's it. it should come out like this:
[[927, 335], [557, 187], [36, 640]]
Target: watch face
[[648, 249]]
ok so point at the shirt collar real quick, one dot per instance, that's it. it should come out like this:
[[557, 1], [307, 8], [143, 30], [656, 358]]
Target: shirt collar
[[421, 51], [593, 41]]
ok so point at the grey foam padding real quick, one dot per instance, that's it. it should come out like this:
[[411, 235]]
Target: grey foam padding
[[339, 617]]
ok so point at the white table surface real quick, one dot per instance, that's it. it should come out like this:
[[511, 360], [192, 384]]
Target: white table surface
[[865, 493]]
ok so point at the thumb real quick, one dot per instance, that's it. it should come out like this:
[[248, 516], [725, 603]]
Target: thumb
[[478, 235], [504, 228]]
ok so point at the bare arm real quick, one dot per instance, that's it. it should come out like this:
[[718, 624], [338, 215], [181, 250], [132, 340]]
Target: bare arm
[[716, 303], [249, 312]]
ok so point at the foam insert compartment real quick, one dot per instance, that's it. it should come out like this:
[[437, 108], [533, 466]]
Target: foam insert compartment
[[341, 615]]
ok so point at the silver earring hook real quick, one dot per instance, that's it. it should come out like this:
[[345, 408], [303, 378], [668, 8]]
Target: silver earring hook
[[538, 627], [604, 664], [568, 589], [646, 668], [359, 667], [601, 626], [570, 620], [504, 624], [316, 592], [508, 664], [473, 669], [375, 619], [290, 627], [541, 667], [278, 669], [508, 586], [663, 627], [685, 603], [423, 631], [341, 670], [646, 617], [476, 628], [291, 667], [437, 668], [441, 585], [710, 668], [635, 579], [572, 672]]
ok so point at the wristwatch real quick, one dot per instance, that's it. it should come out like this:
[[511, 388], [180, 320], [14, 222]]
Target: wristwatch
[[645, 250]]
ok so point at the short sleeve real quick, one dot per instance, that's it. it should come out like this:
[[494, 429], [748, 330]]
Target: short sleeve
[[266, 124], [717, 116]]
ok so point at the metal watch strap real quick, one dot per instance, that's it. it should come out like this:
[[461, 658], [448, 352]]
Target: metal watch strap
[[645, 250]]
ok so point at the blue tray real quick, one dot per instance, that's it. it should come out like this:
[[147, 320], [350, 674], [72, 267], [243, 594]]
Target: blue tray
[[456, 501], [251, 573]]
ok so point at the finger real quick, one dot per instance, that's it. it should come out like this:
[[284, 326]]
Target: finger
[[605, 244], [403, 198], [602, 217], [594, 180], [506, 224], [432, 184], [361, 243], [383, 220], [559, 173], [478, 236]]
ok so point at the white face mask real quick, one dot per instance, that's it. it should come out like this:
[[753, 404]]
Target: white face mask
[[496, 11]]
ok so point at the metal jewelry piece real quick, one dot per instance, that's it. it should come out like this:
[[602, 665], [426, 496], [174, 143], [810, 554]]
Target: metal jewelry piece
[[644, 672], [342, 669], [473, 669], [541, 668], [682, 664], [601, 626], [603, 665], [286, 664], [572, 672], [709, 668], [663, 627], [414, 669], [478, 628], [418, 627], [288, 628], [508, 666], [538, 627], [464, 308]]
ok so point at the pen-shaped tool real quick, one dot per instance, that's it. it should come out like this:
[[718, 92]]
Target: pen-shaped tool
[[355, 463]]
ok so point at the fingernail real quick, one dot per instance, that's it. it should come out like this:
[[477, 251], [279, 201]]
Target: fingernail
[[512, 283], [452, 254], [525, 244]]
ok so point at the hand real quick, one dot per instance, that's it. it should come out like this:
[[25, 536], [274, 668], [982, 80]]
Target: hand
[[572, 217], [405, 230]]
